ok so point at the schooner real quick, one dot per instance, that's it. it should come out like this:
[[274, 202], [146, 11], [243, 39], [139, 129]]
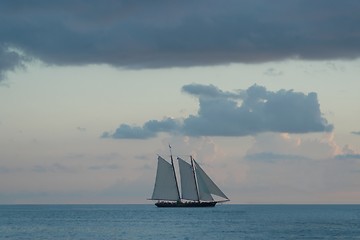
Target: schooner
[[197, 187]]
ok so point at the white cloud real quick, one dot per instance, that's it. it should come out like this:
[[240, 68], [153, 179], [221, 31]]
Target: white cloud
[[272, 146]]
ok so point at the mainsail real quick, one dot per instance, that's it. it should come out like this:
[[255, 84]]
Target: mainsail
[[165, 183], [188, 184]]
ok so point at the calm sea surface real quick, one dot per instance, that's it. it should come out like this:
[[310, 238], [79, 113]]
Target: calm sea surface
[[148, 222]]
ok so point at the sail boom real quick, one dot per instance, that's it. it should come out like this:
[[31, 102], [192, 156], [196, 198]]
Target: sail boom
[[163, 199]]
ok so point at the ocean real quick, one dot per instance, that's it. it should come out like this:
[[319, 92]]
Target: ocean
[[226, 221]]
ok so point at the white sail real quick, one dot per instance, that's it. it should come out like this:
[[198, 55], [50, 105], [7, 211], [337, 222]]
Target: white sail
[[188, 185], [206, 185], [165, 184]]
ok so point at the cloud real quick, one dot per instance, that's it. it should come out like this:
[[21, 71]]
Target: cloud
[[209, 91], [271, 147], [260, 111], [148, 34], [271, 156], [10, 170], [104, 167], [356, 132], [348, 156], [273, 72], [56, 167], [10, 59], [302, 165], [241, 113], [348, 153], [149, 130], [203, 149], [81, 129]]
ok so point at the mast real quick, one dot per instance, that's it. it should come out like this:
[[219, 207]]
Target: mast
[[173, 167], [196, 186]]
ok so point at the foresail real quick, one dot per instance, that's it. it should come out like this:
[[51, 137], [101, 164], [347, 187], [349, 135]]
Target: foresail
[[204, 192], [188, 185], [165, 185], [206, 185]]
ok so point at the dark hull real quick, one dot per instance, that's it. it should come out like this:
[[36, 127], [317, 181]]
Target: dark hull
[[185, 204]]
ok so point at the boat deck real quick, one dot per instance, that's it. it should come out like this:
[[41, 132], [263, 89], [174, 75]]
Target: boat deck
[[185, 204]]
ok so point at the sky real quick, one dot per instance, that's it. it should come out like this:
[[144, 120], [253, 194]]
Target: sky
[[264, 95]]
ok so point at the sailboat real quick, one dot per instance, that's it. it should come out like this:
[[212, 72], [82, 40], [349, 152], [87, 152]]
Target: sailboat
[[197, 188]]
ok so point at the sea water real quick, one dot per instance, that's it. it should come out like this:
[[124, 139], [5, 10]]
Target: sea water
[[227, 221]]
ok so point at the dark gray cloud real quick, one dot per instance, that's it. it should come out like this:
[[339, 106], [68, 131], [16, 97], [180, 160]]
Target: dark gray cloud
[[10, 59], [149, 130], [126, 131], [161, 33], [260, 111], [356, 132], [208, 91], [245, 112]]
